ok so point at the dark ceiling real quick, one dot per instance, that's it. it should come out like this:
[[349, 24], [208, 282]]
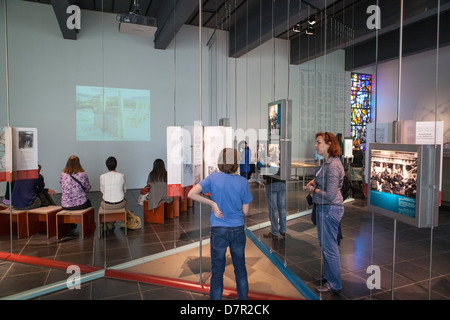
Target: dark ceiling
[[343, 23]]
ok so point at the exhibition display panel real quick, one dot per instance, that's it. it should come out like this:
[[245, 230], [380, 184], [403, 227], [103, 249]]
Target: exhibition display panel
[[404, 182]]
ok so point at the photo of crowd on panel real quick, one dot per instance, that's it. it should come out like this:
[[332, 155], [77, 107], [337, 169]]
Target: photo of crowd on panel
[[394, 172], [393, 181], [402, 182]]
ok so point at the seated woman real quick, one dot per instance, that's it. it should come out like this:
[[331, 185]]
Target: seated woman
[[113, 187], [157, 181], [74, 184]]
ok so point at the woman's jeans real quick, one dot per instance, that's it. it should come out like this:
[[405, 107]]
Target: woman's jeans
[[276, 198], [221, 239], [327, 219]]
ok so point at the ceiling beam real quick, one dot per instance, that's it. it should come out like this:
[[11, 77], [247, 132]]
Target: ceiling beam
[[417, 37], [353, 35], [170, 19], [255, 22]]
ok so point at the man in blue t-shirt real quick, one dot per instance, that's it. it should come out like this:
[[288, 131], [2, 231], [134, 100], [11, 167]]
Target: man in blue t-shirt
[[230, 198]]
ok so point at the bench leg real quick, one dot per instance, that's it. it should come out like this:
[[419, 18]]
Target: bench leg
[[51, 224], [22, 230], [88, 224]]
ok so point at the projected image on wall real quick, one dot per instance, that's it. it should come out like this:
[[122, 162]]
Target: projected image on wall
[[112, 114]]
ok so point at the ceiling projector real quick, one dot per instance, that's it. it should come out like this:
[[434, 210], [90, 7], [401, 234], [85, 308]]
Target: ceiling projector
[[132, 23]]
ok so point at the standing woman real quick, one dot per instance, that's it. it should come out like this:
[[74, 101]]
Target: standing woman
[[74, 184], [326, 189]]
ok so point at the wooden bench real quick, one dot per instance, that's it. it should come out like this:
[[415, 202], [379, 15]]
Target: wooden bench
[[43, 219], [85, 217], [155, 215], [111, 215], [19, 222]]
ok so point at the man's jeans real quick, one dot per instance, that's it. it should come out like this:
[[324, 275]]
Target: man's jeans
[[327, 219], [276, 198], [221, 239]]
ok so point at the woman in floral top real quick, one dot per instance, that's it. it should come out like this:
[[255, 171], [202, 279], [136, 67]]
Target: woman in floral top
[[73, 191]]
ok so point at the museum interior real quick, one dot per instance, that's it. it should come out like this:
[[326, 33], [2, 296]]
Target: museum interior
[[181, 80]]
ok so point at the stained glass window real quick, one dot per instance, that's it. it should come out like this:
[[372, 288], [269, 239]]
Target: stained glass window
[[361, 96]]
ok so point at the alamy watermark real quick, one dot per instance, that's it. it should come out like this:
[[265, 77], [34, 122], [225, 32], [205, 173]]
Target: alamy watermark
[[374, 20], [374, 280], [74, 20]]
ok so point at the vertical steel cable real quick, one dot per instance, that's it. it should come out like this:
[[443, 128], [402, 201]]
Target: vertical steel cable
[[176, 218], [400, 61], [8, 118], [397, 138], [435, 136], [200, 110], [375, 132]]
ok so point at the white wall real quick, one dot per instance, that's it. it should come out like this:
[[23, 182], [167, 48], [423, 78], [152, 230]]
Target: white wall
[[418, 89], [44, 70]]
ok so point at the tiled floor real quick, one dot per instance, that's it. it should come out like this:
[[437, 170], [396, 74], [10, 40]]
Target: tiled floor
[[299, 250]]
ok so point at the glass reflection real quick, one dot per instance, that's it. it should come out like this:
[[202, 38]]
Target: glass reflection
[[320, 88]]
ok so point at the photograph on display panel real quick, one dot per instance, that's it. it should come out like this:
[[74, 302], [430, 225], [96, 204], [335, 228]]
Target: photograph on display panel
[[274, 121], [394, 173]]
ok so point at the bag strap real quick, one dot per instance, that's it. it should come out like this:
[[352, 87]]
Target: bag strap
[[84, 189]]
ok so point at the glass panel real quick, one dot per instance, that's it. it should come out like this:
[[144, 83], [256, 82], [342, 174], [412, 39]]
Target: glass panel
[[74, 91]]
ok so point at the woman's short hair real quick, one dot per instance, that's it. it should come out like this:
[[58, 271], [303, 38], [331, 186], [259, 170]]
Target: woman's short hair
[[228, 161], [73, 165], [111, 163], [335, 149]]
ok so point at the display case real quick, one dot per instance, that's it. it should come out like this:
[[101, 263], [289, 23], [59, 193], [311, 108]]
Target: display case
[[403, 183]]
